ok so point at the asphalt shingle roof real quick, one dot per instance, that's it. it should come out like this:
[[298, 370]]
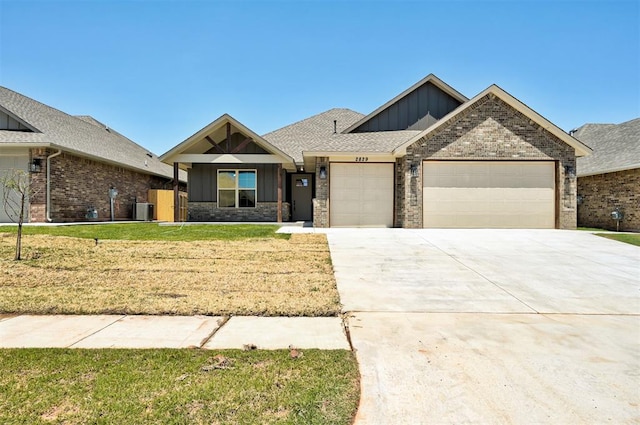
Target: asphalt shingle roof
[[379, 141], [615, 147], [316, 134], [300, 136], [82, 135]]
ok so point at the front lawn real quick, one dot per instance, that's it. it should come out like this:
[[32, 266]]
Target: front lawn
[[74, 386], [241, 276], [633, 239], [154, 232]]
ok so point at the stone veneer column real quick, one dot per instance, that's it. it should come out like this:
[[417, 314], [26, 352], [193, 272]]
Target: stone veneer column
[[321, 201]]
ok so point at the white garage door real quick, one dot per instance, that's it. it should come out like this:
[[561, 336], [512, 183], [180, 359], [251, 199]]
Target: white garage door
[[361, 195], [7, 163], [489, 194]]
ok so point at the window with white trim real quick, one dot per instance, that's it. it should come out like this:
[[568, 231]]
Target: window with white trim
[[237, 188]]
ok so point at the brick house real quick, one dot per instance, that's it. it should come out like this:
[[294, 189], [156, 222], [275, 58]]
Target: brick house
[[73, 162], [609, 179], [430, 157]]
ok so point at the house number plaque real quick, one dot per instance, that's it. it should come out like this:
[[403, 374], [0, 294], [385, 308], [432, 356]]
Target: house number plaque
[[362, 159]]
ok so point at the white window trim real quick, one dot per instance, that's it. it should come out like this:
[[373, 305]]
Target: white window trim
[[237, 189]]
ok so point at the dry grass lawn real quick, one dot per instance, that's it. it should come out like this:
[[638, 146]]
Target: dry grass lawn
[[260, 276]]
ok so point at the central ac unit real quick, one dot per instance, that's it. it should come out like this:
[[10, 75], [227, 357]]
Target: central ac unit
[[143, 211]]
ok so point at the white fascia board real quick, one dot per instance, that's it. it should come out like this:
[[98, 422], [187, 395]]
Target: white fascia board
[[233, 159]]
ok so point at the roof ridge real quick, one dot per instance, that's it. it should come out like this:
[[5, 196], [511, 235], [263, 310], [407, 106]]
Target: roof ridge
[[83, 137], [42, 104], [107, 128]]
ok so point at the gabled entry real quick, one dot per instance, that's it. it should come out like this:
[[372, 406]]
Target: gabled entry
[[234, 174]]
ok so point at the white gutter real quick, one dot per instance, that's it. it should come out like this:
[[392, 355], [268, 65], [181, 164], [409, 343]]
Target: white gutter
[[48, 204]]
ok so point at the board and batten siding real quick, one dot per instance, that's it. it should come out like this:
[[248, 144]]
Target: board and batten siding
[[9, 123], [202, 185], [411, 111]]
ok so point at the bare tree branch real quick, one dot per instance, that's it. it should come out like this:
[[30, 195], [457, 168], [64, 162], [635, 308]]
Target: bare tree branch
[[17, 190]]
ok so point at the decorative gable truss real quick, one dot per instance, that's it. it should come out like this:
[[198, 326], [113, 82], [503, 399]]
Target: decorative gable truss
[[226, 141], [234, 174]]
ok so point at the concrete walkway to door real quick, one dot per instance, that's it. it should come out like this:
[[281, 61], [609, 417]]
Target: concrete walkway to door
[[491, 326]]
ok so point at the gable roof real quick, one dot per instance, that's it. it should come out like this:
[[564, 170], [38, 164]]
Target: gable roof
[[428, 79], [616, 147], [84, 136], [309, 132], [216, 125], [580, 148]]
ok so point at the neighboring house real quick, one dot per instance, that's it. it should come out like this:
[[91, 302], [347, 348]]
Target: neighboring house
[[609, 179], [430, 157], [73, 162]]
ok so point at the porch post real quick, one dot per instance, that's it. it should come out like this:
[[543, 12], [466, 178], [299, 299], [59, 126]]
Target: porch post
[[279, 193], [176, 193]]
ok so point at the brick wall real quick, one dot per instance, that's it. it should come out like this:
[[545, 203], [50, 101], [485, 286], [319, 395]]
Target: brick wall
[[78, 183], [488, 130], [601, 194], [321, 201], [264, 211]]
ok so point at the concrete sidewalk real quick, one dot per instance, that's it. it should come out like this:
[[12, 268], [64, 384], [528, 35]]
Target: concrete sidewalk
[[207, 332]]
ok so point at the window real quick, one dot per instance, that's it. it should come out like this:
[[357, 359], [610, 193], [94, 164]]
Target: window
[[237, 188]]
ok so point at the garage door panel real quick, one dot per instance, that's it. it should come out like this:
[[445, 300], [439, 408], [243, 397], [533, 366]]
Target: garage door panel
[[361, 195], [489, 194]]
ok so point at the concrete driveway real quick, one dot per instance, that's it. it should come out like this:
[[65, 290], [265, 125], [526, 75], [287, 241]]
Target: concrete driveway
[[491, 326]]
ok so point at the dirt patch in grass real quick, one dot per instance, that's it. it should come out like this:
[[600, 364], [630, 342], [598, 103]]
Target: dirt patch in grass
[[170, 386], [260, 276]]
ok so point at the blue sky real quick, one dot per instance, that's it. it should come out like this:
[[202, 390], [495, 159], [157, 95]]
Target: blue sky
[[158, 71]]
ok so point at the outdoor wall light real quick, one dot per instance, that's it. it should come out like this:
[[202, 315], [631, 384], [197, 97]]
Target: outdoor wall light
[[35, 166], [323, 172], [569, 171], [414, 170]]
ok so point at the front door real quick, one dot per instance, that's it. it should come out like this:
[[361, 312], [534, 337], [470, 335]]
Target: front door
[[301, 193]]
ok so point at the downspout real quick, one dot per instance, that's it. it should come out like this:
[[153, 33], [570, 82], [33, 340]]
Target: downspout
[[48, 204]]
